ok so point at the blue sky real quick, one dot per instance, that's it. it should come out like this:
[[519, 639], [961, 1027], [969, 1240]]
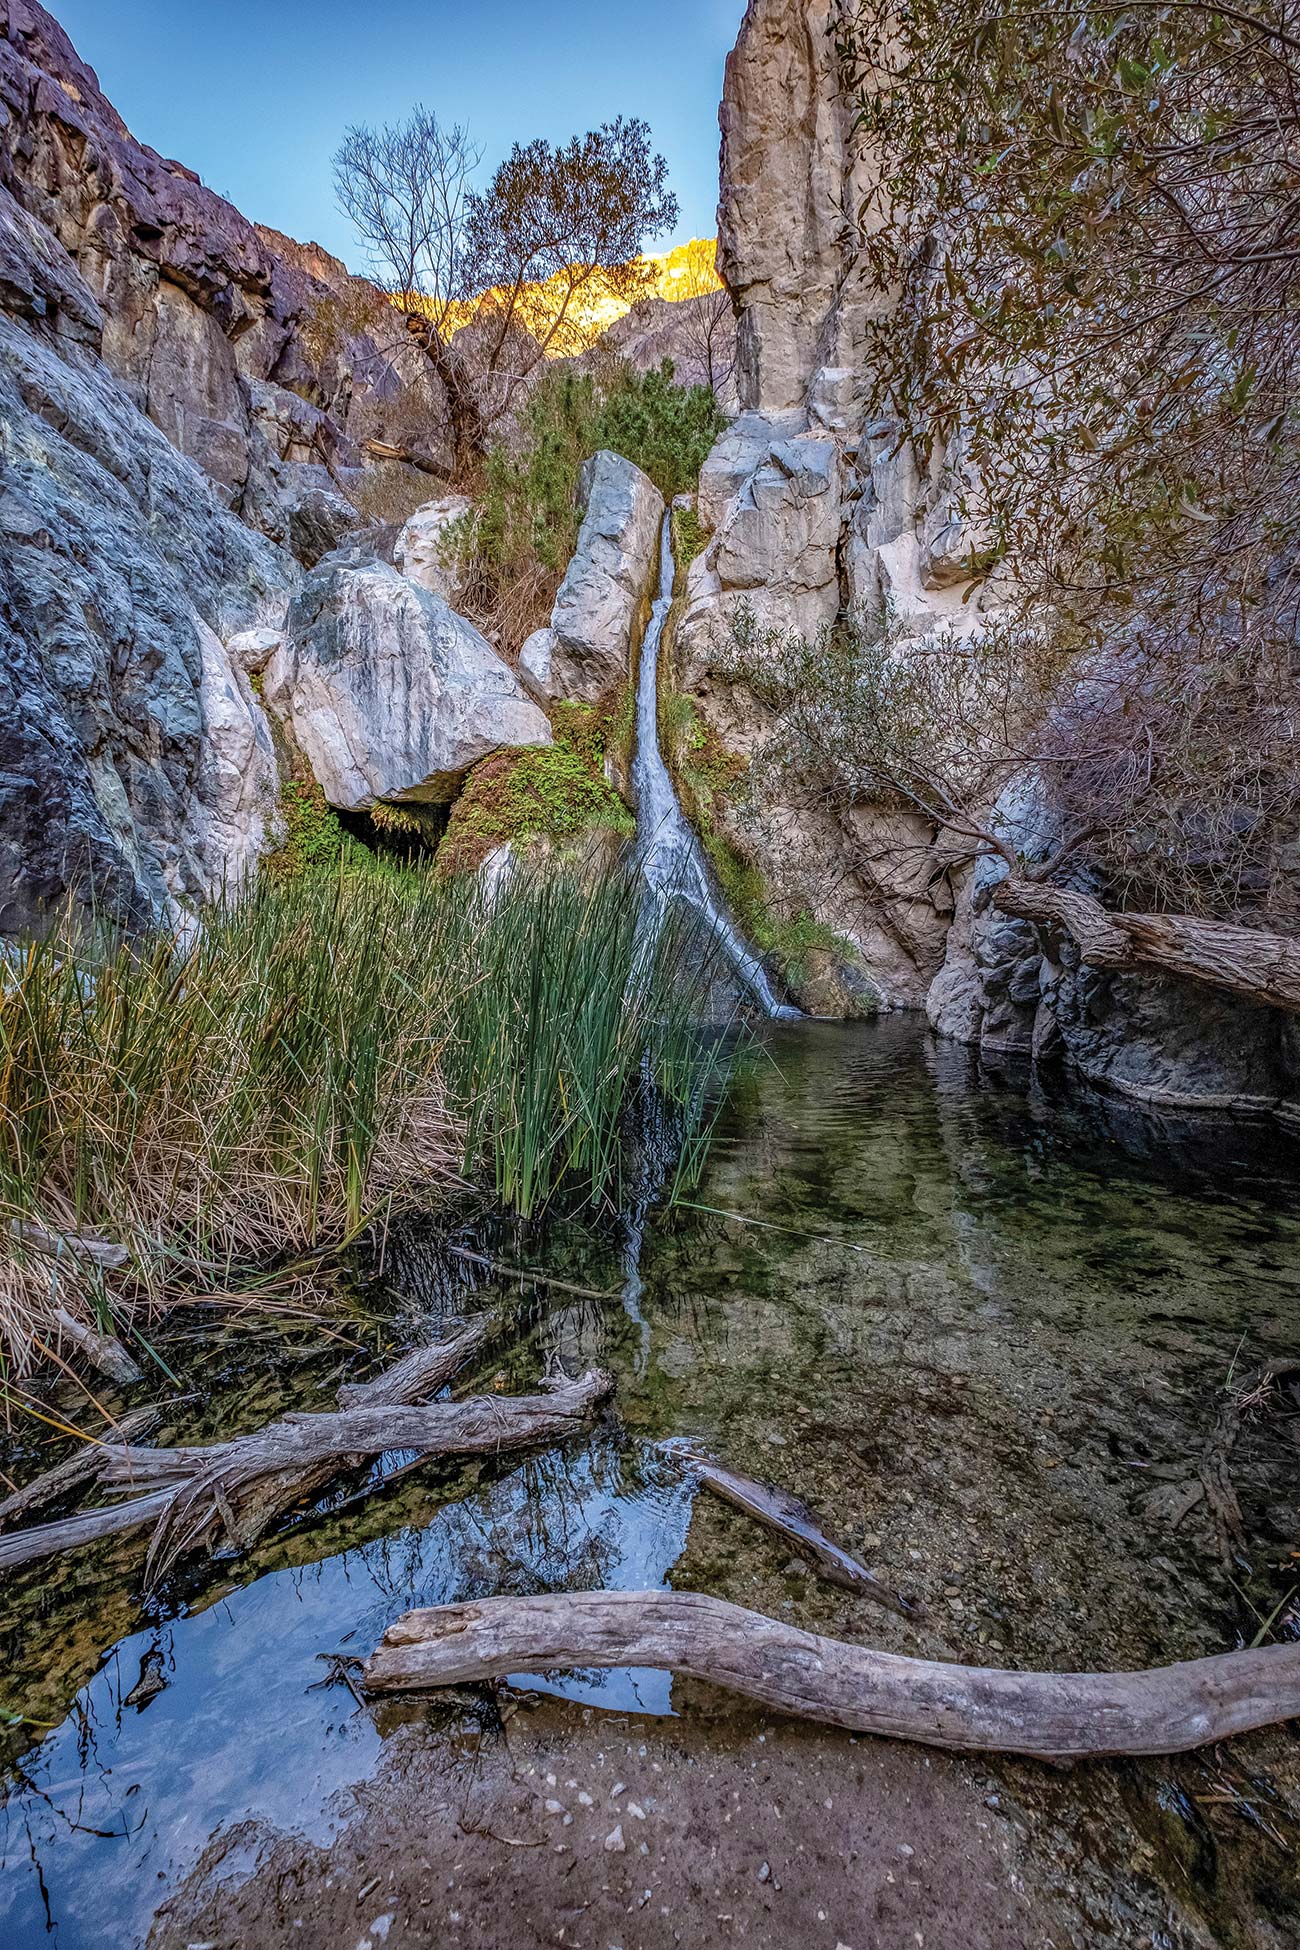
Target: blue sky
[[255, 94]]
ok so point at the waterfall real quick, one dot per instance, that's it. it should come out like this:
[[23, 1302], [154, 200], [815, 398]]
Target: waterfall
[[669, 853]]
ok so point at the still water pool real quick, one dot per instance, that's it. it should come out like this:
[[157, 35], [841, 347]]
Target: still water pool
[[985, 1336]]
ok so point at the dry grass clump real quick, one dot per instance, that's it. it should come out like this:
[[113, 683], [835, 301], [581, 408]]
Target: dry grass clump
[[215, 1106]]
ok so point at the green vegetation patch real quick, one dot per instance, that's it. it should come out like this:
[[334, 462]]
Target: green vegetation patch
[[708, 777], [541, 793], [313, 837], [514, 548], [690, 537]]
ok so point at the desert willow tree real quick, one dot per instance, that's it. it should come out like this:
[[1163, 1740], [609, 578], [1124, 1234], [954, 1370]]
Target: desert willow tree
[[1091, 217], [489, 282]]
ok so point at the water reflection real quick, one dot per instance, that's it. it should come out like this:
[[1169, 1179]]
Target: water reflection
[[987, 1341]]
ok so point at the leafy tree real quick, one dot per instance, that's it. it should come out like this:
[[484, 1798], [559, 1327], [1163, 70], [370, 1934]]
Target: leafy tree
[[488, 282]]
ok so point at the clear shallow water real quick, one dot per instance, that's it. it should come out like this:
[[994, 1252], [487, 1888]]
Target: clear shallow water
[[986, 1339]]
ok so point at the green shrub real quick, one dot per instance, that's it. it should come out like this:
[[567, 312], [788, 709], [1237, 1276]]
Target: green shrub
[[514, 549], [556, 793], [690, 537], [667, 430]]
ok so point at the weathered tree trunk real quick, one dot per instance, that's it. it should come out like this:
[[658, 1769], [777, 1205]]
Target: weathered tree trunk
[[464, 413], [1261, 967], [410, 457], [1053, 1716]]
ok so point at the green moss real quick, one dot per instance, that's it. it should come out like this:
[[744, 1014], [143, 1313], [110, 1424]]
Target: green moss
[[543, 792], [597, 732], [690, 537], [707, 777], [313, 838]]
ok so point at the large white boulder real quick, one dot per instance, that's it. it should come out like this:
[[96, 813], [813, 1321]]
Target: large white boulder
[[388, 693], [235, 806], [594, 622]]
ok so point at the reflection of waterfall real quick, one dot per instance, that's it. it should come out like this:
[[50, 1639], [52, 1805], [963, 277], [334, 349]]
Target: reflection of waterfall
[[668, 850]]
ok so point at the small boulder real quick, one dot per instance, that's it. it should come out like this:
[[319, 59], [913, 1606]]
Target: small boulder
[[387, 692], [535, 660], [418, 551]]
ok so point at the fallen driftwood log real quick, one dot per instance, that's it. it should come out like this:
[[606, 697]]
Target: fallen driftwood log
[[240, 1487], [70, 1474], [1050, 1716], [789, 1518], [191, 1495]]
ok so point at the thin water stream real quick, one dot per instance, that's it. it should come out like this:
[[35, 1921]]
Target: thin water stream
[[668, 848], [985, 1337]]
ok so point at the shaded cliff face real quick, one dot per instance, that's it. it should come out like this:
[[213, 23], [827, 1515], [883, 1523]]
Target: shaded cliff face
[[812, 514], [135, 763], [211, 323]]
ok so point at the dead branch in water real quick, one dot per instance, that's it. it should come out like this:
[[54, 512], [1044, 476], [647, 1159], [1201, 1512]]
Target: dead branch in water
[[1247, 1397], [789, 1518], [1049, 1716], [101, 1350], [75, 1470], [273, 1471], [238, 1488]]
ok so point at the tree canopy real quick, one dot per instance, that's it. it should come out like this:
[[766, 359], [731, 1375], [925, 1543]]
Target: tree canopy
[[491, 280]]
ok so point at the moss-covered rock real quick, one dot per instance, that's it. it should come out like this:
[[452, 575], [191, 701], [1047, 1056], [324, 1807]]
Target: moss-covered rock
[[313, 837], [558, 794], [821, 970]]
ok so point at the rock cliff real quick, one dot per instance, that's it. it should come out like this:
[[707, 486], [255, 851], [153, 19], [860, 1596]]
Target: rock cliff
[[812, 512], [181, 395], [239, 344]]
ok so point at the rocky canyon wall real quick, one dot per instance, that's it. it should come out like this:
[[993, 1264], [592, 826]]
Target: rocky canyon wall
[[178, 402], [814, 513]]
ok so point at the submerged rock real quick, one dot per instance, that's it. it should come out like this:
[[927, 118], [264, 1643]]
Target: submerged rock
[[387, 693]]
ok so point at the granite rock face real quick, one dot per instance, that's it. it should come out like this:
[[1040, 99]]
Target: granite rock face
[[135, 764], [863, 528], [792, 183], [247, 350], [386, 693], [594, 625]]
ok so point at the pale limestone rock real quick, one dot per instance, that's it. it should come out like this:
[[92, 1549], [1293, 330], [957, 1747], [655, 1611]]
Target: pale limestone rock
[[775, 547], [597, 612], [236, 789], [792, 188], [388, 693], [535, 660], [418, 551], [252, 650]]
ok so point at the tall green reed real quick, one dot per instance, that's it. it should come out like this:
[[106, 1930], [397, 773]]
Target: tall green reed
[[326, 1053]]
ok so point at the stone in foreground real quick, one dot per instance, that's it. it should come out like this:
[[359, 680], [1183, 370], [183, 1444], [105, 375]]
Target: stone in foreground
[[387, 693]]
